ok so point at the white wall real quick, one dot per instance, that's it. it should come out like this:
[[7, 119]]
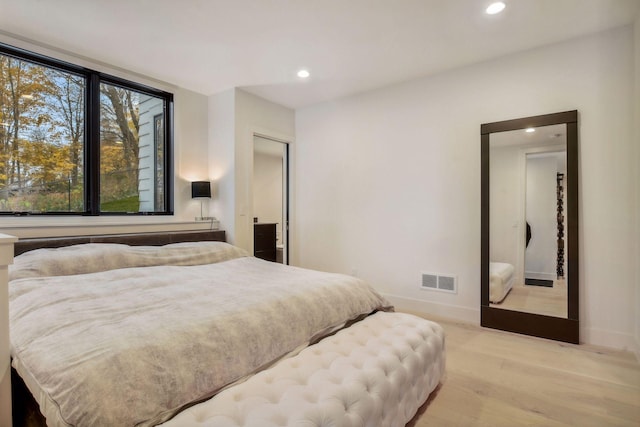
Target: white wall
[[190, 162], [507, 214], [235, 116], [541, 201], [150, 107], [267, 189], [191, 150], [388, 182], [222, 159]]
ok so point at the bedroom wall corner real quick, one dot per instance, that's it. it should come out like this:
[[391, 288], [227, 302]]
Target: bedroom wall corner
[[234, 117], [222, 159]]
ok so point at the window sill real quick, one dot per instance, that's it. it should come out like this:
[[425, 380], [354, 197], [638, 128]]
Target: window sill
[[37, 226]]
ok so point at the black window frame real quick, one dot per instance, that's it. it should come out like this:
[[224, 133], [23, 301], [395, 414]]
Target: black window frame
[[91, 147]]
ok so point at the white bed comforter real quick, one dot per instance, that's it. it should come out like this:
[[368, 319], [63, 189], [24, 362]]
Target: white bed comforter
[[132, 346]]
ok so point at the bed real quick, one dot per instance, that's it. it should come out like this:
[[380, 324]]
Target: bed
[[106, 333], [501, 277]]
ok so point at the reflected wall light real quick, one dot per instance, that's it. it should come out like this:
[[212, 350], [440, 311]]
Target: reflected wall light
[[201, 190]]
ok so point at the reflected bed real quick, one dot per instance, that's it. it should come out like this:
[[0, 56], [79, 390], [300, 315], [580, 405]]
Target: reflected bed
[[501, 278]]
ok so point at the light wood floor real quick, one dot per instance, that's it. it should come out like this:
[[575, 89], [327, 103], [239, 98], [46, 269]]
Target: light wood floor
[[496, 378], [537, 299]]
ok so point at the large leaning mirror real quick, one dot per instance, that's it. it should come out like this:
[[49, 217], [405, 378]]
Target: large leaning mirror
[[529, 226]]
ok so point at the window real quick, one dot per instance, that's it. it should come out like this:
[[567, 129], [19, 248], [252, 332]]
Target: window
[[76, 141]]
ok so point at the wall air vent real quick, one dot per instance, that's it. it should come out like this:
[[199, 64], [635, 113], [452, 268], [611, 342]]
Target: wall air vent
[[439, 282], [429, 281]]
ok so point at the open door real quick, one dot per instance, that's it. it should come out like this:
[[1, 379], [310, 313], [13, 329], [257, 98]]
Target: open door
[[271, 199]]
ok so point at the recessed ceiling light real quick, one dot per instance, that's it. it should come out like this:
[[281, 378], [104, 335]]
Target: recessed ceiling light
[[529, 130], [496, 7], [303, 74]]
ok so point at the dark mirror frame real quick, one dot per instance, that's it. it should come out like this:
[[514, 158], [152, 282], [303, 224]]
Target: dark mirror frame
[[538, 325]]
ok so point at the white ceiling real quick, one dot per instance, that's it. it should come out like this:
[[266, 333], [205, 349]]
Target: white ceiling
[[349, 46]]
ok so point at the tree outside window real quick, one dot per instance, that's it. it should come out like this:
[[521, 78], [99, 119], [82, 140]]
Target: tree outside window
[[44, 139]]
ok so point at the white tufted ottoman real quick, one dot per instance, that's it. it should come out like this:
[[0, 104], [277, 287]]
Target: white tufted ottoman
[[377, 372]]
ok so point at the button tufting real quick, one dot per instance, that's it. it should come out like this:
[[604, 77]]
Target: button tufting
[[380, 378], [311, 397], [273, 398]]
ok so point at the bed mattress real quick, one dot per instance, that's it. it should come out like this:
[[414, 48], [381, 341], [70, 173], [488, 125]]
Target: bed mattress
[[378, 372]]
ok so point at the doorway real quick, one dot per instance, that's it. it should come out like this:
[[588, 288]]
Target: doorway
[[270, 199]]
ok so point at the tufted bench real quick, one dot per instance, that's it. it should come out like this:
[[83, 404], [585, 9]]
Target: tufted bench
[[377, 372]]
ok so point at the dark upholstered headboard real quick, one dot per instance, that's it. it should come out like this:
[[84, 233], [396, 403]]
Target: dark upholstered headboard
[[135, 239]]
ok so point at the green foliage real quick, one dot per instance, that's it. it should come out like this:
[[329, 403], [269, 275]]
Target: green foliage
[[128, 204], [70, 200], [42, 141]]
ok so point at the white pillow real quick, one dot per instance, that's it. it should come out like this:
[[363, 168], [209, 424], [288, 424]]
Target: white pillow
[[94, 257]]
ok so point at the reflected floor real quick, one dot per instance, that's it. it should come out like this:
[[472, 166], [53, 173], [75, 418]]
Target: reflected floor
[[537, 299]]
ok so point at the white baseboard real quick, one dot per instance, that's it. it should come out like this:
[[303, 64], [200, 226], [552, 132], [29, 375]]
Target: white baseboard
[[454, 312], [610, 339], [592, 336]]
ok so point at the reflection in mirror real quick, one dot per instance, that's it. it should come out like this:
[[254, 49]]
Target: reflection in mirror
[[523, 179], [527, 244]]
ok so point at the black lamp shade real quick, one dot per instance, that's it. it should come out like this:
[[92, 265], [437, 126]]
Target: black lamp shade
[[200, 189]]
